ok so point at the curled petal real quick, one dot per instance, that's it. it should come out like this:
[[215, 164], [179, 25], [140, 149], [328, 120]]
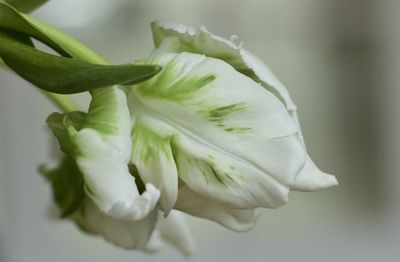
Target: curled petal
[[201, 41], [175, 230], [153, 158], [124, 233], [200, 206], [107, 179], [100, 144], [311, 178]]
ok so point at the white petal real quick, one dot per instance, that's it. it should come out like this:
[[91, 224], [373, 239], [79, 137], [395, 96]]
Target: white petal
[[124, 233], [197, 40], [212, 111], [181, 38], [175, 230], [311, 178], [152, 156], [201, 41], [200, 206], [231, 180], [269, 80], [155, 242], [102, 153]]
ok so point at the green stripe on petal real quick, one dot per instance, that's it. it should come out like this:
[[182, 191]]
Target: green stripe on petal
[[231, 180], [172, 87], [201, 41], [153, 158]]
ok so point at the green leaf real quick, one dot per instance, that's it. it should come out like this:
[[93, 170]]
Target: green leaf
[[78, 71], [67, 183], [64, 75], [11, 19], [65, 45], [26, 5]]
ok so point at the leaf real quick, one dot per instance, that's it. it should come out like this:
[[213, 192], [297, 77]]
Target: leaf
[[67, 183], [26, 5], [62, 75], [12, 20], [66, 75]]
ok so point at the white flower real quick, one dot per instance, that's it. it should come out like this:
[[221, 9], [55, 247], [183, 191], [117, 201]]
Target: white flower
[[214, 134], [227, 123]]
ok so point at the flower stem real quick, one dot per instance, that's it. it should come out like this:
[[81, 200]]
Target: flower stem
[[70, 44], [63, 102]]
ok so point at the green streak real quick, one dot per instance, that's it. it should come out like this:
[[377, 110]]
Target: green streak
[[167, 85], [220, 113], [149, 143], [237, 129]]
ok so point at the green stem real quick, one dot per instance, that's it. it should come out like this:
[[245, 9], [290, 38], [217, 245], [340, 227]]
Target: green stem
[[63, 102], [69, 44]]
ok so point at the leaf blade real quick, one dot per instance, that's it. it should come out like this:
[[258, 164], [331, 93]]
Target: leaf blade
[[26, 6], [63, 75]]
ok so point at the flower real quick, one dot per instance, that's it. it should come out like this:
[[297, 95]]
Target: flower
[[214, 134]]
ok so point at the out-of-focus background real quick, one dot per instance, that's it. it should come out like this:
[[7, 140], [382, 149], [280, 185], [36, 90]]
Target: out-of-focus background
[[340, 61]]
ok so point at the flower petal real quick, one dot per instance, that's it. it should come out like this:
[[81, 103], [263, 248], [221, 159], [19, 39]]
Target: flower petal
[[102, 153], [181, 38], [124, 233], [175, 230], [231, 180], [212, 111], [201, 206], [311, 178], [152, 156], [201, 41]]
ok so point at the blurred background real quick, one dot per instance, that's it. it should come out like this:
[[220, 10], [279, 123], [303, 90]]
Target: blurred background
[[340, 61]]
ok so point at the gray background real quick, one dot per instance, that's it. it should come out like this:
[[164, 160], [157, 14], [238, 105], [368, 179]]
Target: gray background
[[340, 61]]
